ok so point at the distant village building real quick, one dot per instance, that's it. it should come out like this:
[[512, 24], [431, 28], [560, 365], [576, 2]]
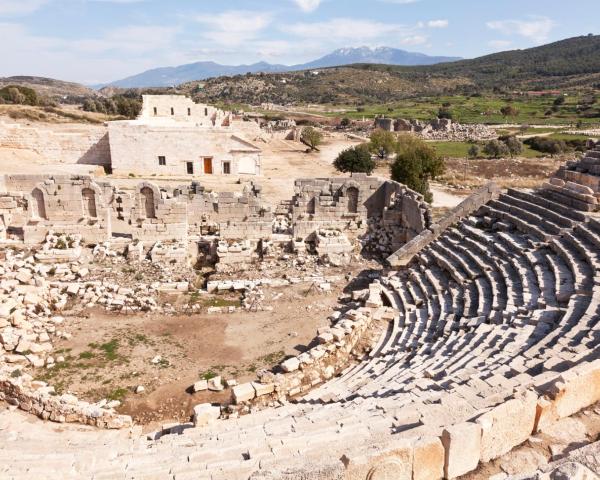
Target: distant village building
[[175, 136]]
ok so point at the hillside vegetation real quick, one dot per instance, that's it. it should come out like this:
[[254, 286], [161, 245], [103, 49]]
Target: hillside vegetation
[[569, 64], [55, 90]]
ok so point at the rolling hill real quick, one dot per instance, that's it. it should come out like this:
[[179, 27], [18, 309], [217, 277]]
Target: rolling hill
[[169, 76], [57, 90], [567, 64]]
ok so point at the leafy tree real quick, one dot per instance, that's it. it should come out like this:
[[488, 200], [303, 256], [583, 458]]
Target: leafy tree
[[345, 122], [496, 149], [509, 111], [445, 112], [416, 164], [515, 146], [382, 143], [355, 159], [311, 137], [474, 151], [559, 101]]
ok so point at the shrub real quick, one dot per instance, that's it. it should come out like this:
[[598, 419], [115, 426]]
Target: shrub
[[355, 159], [19, 95], [474, 151]]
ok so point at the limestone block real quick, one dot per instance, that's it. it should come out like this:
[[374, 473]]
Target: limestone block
[[577, 389], [507, 425], [291, 364], [200, 386], [395, 464], [462, 443], [546, 414], [428, 459], [243, 392], [24, 277], [263, 388], [215, 384], [206, 413]]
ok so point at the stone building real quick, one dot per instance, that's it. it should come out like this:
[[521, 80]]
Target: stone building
[[175, 136]]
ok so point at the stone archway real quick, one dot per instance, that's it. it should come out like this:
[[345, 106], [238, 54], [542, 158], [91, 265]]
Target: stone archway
[[89, 203], [352, 196], [147, 200], [38, 206]]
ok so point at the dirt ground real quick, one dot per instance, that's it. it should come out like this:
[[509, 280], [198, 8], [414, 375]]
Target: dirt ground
[[514, 173], [110, 355]]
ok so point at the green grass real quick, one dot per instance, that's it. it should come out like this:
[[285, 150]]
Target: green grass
[[208, 375], [484, 109], [452, 149], [221, 302], [461, 150], [117, 394]]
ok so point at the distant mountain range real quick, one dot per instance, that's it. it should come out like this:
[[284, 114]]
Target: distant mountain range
[[171, 76]]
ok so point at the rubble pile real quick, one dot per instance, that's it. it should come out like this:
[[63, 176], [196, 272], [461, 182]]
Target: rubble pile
[[439, 129], [379, 239]]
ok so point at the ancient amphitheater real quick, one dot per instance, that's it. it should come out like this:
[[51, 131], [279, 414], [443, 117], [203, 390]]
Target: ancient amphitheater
[[479, 332]]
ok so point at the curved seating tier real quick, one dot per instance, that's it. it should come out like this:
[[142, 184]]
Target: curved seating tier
[[503, 299]]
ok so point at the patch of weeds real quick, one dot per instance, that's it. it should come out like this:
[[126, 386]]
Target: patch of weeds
[[252, 368], [163, 363], [16, 373], [117, 394], [110, 349], [221, 302], [273, 358], [209, 374], [86, 355], [107, 381], [139, 338]]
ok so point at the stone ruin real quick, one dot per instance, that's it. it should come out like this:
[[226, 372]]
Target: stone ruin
[[481, 334], [439, 129], [578, 182], [224, 228]]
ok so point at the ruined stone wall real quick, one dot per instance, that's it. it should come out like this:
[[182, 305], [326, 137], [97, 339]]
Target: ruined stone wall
[[405, 254], [40, 399], [156, 217], [347, 203], [69, 204], [68, 144]]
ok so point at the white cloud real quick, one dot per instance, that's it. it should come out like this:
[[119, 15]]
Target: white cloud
[[536, 29], [308, 5], [117, 53], [349, 29], [234, 27], [437, 23], [20, 7]]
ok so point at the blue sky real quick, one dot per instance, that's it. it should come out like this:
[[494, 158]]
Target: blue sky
[[94, 41]]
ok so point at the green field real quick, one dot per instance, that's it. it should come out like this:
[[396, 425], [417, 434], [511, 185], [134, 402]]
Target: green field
[[461, 150], [484, 109]]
